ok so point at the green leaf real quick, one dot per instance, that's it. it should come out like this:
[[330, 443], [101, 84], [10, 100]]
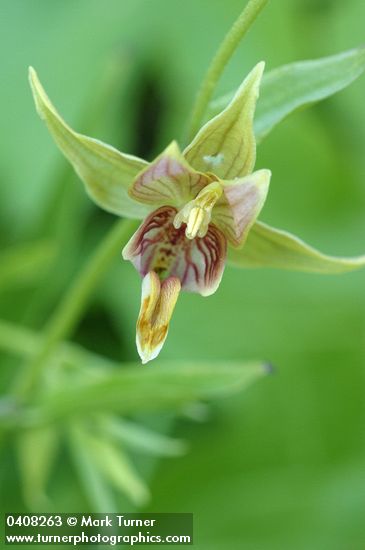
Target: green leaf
[[36, 450], [23, 264], [116, 467], [226, 144], [291, 87], [142, 439], [270, 247], [135, 388], [96, 487], [106, 172]]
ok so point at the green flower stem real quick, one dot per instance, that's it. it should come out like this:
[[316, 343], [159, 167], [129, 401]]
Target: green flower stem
[[220, 60], [73, 304]]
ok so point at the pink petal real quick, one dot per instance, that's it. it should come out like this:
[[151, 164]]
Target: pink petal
[[241, 203], [168, 180], [158, 246]]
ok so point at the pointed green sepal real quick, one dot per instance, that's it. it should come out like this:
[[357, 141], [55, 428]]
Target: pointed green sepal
[[106, 172], [226, 144], [270, 247]]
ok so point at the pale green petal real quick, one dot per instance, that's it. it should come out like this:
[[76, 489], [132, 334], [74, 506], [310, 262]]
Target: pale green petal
[[297, 85], [226, 145], [270, 247], [106, 173]]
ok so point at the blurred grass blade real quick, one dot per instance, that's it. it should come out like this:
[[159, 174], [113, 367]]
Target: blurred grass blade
[[136, 389], [36, 451], [118, 469], [270, 247], [23, 264], [196, 411], [96, 488], [18, 340], [300, 84], [106, 172], [142, 439]]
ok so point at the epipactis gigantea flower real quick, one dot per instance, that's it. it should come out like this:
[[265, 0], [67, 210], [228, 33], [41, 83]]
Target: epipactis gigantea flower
[[196, 205]]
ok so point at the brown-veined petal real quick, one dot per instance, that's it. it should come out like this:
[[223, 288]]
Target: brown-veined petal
[[168, 180], [226, 144], [106, 172], [239, 206], [158, 246]]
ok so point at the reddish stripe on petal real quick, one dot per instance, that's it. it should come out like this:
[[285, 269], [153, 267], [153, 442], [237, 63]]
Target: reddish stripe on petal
[[240, 205], [158, 246], [168, 180]]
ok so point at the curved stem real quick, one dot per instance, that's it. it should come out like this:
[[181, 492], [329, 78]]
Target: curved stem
[[71, 307], [220, 60]]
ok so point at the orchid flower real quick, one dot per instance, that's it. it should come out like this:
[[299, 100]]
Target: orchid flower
[[199, 207]]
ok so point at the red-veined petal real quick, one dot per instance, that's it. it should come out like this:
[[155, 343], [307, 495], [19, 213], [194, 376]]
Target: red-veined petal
[[241, 202], [158, 246], [168, 180]]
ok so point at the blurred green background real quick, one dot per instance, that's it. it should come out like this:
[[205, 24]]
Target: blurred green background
[[282, 465]]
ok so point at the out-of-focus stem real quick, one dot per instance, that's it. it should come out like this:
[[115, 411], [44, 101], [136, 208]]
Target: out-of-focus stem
[[73, 304], [220, 60]]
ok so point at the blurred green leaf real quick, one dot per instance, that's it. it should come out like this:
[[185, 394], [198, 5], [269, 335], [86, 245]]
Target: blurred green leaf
[[142, 439], [93, 383], [136, 388], [23, 264], [270, 247], [36, 450], [298, 85], [96, 488], [18, 340], [117, 468]]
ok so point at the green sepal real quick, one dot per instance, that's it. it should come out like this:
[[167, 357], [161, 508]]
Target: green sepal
[[106, 172], [270, 247]]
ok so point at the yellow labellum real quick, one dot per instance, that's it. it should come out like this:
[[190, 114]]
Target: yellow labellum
[[157, 305]]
